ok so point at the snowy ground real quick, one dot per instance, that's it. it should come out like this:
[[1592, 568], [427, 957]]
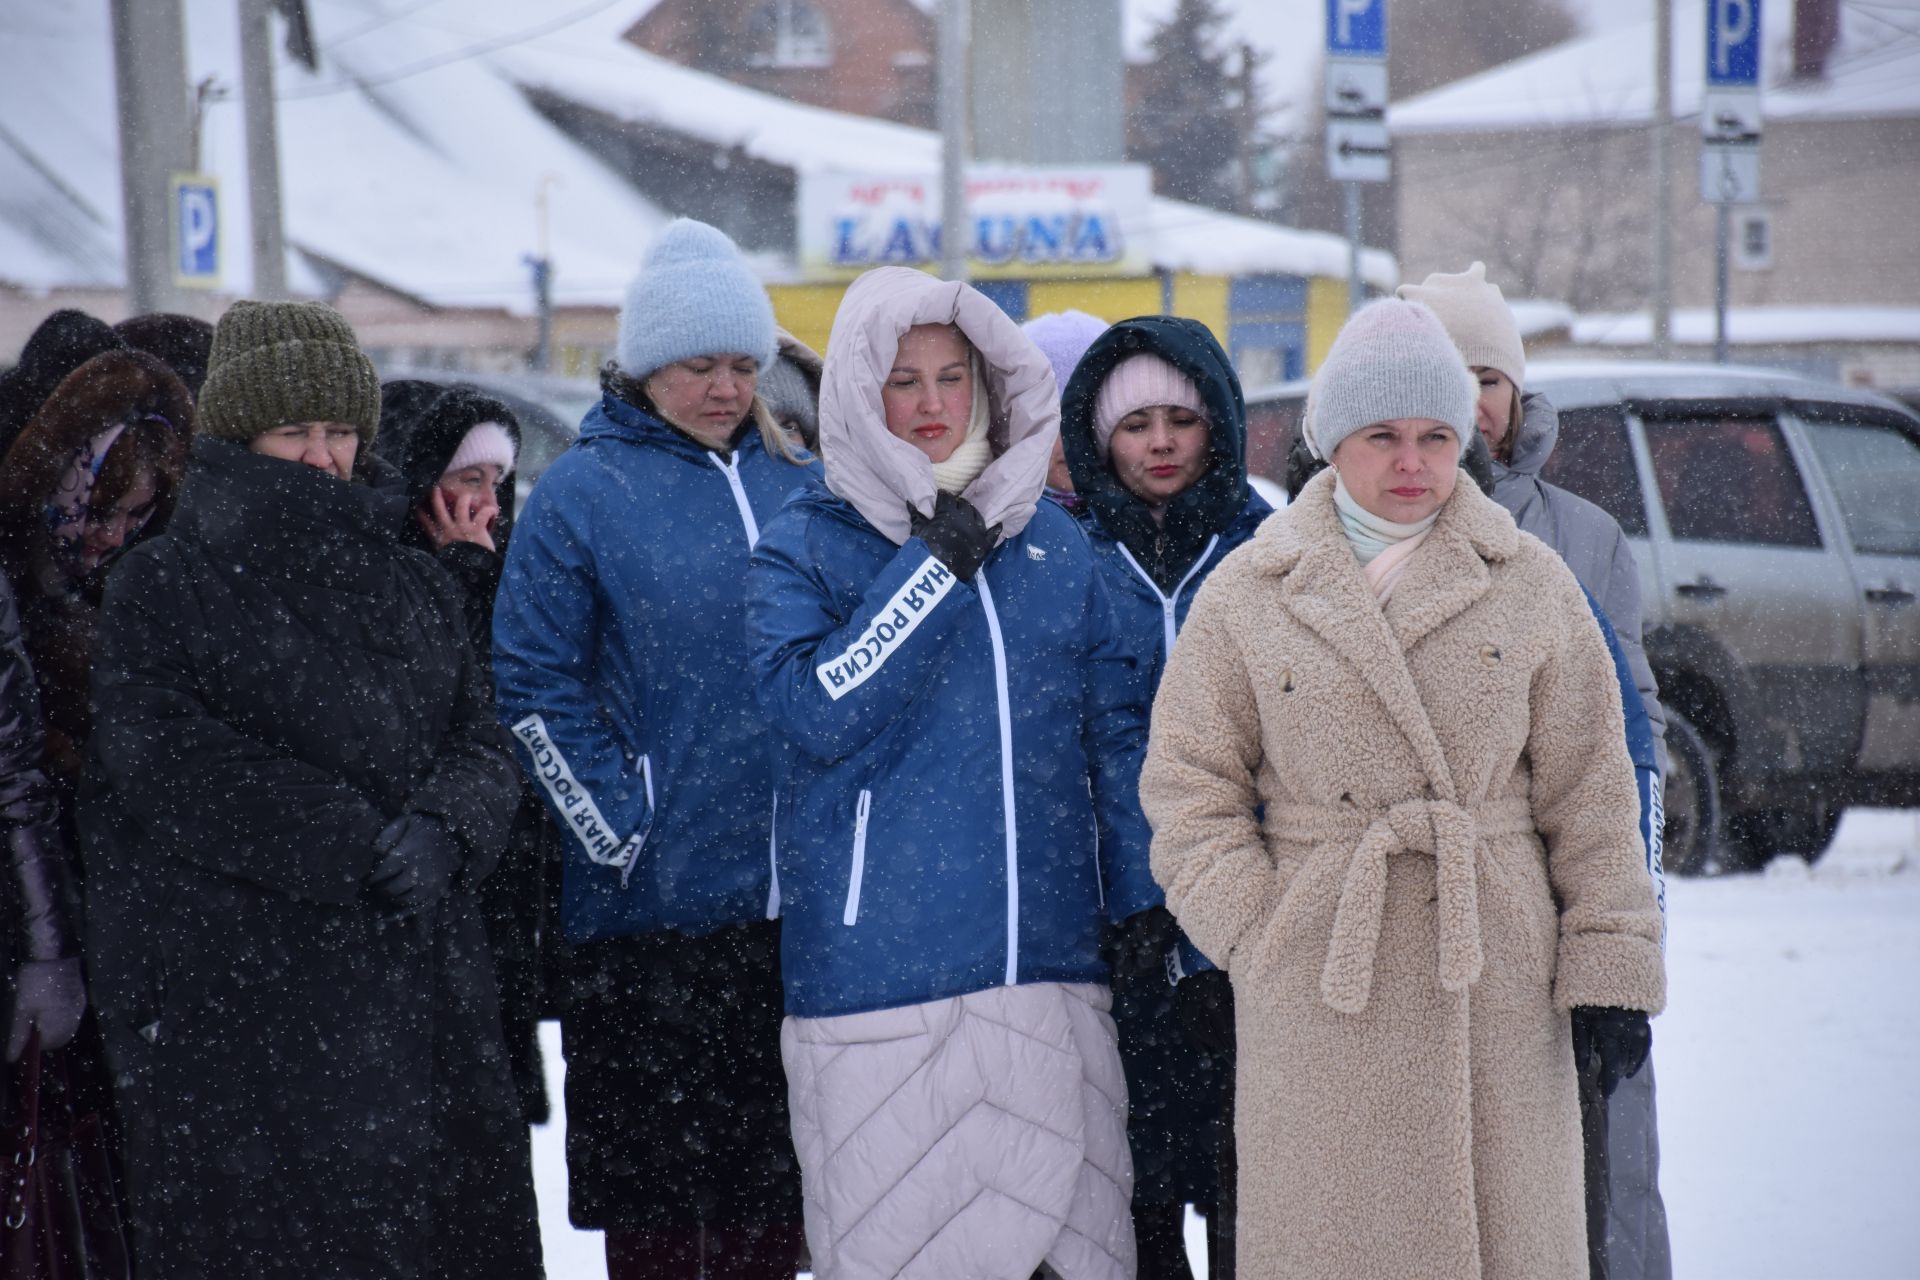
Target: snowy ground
[[1789, 1061]]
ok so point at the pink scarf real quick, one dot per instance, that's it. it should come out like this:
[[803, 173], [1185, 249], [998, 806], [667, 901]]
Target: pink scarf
[[1383, 572]]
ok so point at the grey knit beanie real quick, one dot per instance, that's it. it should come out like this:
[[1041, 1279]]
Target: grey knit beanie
[[1393, 359], [1477, 319], [275, 363], [694, 296]]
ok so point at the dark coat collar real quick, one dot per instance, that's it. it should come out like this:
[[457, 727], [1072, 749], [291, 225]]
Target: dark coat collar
[[284, 520]]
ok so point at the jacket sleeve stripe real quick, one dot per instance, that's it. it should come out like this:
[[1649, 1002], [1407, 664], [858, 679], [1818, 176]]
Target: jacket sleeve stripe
[[571, 800], [896, 620]]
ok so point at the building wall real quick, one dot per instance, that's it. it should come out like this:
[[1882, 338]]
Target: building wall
[[882, 63], [1566, 214]]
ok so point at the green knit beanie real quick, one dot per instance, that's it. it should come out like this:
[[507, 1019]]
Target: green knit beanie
[[275, 363]]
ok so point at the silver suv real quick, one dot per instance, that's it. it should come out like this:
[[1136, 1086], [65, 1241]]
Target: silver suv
[[1776, 522]]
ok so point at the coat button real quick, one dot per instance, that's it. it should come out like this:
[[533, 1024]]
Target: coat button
[[1286, 680], [1489, 656]]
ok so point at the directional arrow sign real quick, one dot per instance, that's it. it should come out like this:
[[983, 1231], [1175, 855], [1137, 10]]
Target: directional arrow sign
[[1358, 151]]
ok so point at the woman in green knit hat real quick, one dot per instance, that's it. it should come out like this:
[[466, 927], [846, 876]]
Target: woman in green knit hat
[[296, 784]]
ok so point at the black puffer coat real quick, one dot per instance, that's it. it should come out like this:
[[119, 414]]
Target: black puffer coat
[[311, 1087]]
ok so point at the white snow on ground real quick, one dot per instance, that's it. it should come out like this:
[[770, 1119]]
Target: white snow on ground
[[1789, 1072], [1771, 326]]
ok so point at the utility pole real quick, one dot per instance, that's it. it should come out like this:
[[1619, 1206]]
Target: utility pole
[[954, 232], [1662, 180], [542, 267], [150, 78], [263, 148]]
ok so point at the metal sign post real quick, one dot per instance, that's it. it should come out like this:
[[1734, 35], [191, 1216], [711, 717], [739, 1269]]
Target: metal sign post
[[1730, 127], [1358, 146]]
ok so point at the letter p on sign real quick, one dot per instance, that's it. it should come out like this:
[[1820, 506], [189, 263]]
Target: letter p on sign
[[196, 230], [1733, 42], [1357, 28]]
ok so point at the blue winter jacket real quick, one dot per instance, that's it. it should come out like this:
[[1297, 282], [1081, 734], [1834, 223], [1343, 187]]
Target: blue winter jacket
[[1642, 748], [621, 663], [960, 807]]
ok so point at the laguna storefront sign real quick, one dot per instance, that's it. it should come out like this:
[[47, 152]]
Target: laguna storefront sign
[[1021, 223]]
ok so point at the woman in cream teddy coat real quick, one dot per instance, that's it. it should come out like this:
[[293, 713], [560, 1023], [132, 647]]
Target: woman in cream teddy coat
[[1407, 831]]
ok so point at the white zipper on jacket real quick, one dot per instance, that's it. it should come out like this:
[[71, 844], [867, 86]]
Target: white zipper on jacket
[[1006, 776], [851, 914], [731, 469], [773, 860], [1167, 601]]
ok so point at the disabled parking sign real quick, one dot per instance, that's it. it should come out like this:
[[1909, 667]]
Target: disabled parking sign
[[195, 206]]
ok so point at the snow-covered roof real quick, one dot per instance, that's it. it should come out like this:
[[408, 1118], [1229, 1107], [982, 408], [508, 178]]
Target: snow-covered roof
[[405, 160], [1755, 326], [589, 64], [1607, 78]]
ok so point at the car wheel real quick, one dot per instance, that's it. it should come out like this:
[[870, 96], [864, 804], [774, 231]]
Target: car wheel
[[1692, 800], [1805, 829]]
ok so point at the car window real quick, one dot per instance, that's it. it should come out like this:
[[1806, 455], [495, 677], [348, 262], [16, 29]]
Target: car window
[[1271, 427], [1874, 469], [1594, 459], [1730, 480]]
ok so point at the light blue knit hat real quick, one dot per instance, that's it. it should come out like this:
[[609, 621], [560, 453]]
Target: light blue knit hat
[[694, 296]]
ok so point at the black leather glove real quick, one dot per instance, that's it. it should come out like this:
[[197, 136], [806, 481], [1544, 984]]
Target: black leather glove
[[956, 534], [420, 859], [1135, 949], [48, 994], [1204, 1002], [1610, 1045]]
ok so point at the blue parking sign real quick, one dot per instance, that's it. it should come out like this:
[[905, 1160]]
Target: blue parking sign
[[1357, 28], [1733, 42], [196, 230]]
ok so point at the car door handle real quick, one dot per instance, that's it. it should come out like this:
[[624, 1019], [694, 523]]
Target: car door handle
[[1702, 588], [1889, 595]]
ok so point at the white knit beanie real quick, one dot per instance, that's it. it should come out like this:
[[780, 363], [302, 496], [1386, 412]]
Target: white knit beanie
[[1477, 319], [1393, 359], [484, 442], [694, 296], [1140, 382]]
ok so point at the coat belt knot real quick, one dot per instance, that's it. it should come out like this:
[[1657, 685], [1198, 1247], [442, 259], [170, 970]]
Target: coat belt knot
[[1450, 835]]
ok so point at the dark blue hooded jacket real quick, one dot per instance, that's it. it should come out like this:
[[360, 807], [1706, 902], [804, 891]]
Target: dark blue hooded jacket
[[621, 662], [1153, 569], [963, 757]]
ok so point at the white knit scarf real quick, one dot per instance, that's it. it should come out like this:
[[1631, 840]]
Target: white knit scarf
[[971, 456], [1371, 534]]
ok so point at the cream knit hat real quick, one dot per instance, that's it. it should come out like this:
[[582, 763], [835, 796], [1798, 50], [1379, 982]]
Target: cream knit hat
[[1393, 359], [1477, 319]]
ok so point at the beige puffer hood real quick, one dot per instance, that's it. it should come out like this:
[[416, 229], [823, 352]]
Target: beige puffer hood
[[886, 478]]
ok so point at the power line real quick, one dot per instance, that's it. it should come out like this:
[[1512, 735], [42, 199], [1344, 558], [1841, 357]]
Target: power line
[[457, 55]]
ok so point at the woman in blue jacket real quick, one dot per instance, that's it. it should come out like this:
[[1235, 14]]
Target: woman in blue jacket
[[1155, 431], [619, 654], [963, 729]]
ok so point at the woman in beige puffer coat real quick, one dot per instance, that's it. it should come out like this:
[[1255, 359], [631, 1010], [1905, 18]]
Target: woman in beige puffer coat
[[1390, 797]]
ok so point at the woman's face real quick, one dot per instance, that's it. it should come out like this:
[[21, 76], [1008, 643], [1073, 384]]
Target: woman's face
[[325, 446], [1495, 408], [707, 396], [479, 482], [1059, 475], [108, 531], [928, 395], [1402, 470], [1158, 452]]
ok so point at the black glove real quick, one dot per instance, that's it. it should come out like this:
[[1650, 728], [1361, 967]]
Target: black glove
[[1135, 949], [51, 995], [1610, 1044], [1204, 1001], [956, 534], [420, 860]]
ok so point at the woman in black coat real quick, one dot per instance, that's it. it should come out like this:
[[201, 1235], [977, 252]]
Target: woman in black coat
[[295, 785], [456, 447]]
